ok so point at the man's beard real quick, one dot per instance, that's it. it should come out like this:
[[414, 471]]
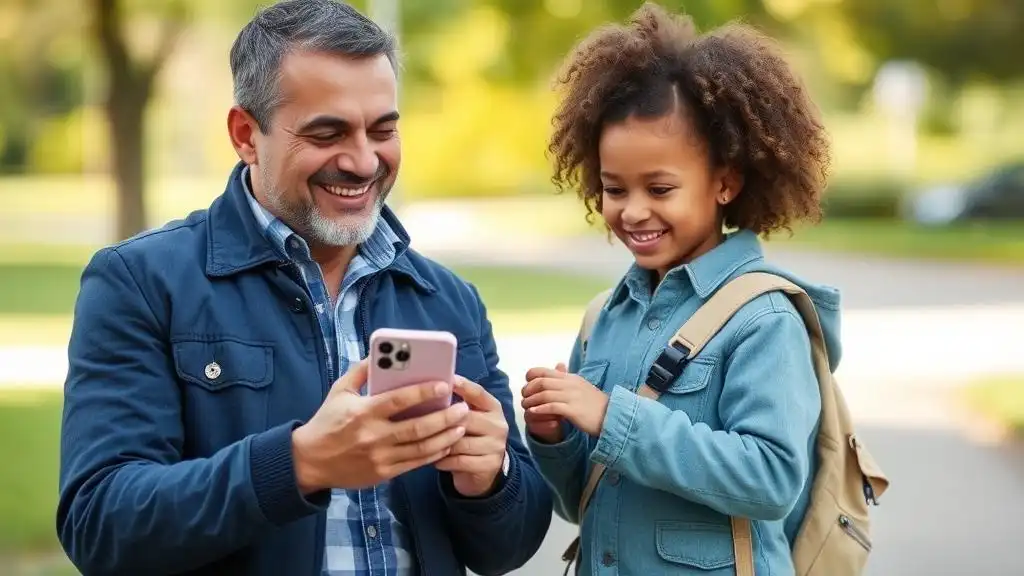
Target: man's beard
[[302, 214]]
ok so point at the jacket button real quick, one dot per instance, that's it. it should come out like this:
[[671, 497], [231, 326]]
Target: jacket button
[[297, 305], [608, 559]]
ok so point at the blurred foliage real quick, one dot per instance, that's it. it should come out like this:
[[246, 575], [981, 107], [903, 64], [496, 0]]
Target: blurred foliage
[[477, 84], [960, 40]]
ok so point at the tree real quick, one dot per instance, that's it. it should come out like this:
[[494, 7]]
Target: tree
[[960, 41], [130, 83]]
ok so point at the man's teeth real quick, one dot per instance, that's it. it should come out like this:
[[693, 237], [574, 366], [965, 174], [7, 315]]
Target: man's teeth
[[646, 236], [339, 191]]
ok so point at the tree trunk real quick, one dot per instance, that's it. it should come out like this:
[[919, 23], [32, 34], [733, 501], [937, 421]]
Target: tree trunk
[[129, 87], [126, 111]]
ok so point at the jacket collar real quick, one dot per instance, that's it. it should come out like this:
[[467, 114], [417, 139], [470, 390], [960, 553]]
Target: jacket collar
[[237, 244], [707, 273]]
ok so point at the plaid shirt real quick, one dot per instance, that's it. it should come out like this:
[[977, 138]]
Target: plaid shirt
[[363, 537]]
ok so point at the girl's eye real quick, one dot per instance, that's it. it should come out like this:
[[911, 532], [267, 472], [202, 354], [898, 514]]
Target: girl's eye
[[660, 190], [612, 191]]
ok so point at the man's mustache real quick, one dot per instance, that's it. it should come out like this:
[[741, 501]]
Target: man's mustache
[[345, 179]]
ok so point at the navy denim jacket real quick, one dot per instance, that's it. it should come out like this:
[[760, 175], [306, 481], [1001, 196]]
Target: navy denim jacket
[[165, 469]]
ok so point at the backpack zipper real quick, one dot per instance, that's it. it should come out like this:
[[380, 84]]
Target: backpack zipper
[[854, 532]]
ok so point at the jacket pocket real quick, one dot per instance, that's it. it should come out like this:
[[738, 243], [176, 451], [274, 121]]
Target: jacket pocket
[[701, 545], [226, 390], [689, 391], [220, 364], [594, 372]]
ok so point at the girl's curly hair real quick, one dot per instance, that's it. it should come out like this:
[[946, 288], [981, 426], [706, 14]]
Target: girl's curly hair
[[737, 91]]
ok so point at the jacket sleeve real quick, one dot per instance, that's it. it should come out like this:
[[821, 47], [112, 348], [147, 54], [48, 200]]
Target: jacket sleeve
[[564, 464], [500, 532], [755, 467], [128, 502]]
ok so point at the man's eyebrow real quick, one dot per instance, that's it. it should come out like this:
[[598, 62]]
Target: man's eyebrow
[[340, 124], [389, 117], [326, 121]]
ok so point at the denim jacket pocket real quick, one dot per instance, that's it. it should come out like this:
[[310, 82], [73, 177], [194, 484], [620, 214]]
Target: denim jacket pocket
[[689, 391], [594, 372], [700, 545], [226, 390]]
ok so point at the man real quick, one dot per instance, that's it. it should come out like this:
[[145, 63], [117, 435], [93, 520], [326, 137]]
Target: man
[[204, 431]]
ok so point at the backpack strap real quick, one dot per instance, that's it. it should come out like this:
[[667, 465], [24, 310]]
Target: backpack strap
[[685, 345], [590, 316]]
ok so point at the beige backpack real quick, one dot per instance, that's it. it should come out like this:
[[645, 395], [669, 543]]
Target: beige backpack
[[835, 537]]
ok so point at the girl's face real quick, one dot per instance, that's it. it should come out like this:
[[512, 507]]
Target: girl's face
[[661, 196]]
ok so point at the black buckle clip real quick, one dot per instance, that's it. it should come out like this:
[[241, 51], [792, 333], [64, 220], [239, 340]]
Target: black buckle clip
[[667, 367]]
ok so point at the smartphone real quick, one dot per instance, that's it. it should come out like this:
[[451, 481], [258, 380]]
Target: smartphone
[[408, 357]]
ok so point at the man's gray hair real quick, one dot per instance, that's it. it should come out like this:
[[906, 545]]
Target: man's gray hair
[[327, 26]]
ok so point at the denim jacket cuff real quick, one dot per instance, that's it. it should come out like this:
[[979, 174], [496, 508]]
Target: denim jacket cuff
[[617, 426]]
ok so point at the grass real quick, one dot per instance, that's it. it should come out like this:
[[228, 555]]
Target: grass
[[29, 441], [999, 243], [1001, 399], [30, 437]]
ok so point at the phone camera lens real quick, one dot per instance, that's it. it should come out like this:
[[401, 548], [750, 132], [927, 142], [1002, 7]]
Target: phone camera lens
[[402, 356], [385, 347], [384, 363]]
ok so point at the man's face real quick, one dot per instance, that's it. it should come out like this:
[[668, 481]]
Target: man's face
[[332, 151]]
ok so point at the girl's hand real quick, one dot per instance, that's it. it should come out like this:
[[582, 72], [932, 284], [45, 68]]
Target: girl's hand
[[556, 393], [544, 427]]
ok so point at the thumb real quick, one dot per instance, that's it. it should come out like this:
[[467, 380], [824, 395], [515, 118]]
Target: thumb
[[561, 367], [352, 380]]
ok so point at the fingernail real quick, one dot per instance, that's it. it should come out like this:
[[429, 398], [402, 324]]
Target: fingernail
[[441, 389], [460, 431], [461, 409]]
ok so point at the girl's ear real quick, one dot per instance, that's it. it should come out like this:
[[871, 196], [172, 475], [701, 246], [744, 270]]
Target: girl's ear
[[730, 182]]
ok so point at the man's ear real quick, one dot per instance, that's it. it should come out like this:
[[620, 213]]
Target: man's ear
[[242, 129]]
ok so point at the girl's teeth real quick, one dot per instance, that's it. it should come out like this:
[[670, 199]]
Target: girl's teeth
[[646, 237]]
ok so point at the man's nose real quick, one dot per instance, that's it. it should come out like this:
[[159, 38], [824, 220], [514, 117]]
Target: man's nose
[[360, 158]]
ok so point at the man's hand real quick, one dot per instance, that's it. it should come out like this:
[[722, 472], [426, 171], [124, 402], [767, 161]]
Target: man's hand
[[544, 427], [351, 442], [554, 393], [476, 460]]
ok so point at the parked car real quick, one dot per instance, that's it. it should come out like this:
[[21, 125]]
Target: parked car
[[999, 194]]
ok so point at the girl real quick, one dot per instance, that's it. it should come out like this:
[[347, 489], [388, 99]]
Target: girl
[[673, 136]]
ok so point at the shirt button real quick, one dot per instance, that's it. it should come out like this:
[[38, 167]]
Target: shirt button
[[297, 305], [608, 559], [653, 323], [371, 531]]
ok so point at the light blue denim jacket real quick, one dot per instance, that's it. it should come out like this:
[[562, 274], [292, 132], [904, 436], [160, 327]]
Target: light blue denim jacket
[[733, 435]]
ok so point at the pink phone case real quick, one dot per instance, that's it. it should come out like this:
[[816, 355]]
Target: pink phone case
[[406, 357]]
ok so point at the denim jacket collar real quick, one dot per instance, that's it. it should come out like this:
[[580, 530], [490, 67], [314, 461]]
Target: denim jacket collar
[[706, 273]]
